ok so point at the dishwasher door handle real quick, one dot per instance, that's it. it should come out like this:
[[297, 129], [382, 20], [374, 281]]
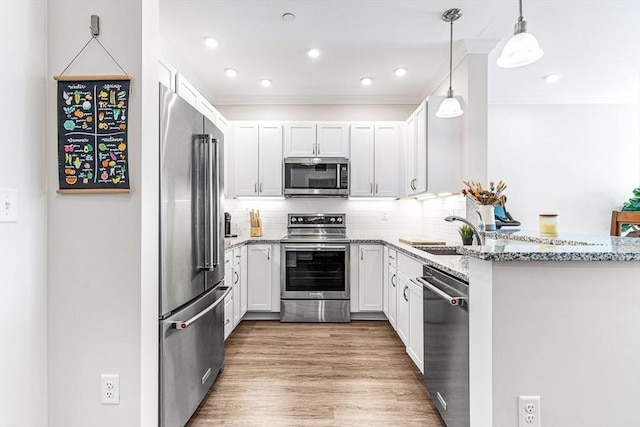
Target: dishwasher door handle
[[453, 300]]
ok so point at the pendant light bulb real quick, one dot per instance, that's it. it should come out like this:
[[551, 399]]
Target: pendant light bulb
[[450, 107], [521, 49]]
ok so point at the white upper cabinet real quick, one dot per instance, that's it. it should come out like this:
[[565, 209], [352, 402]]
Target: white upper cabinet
[[374, 159], [187, 91], [257, 159], [386, 138], [270, 156], [362, 159], [316, 139], [166, 73], [332, 139], [207, 109], [433, 151], [245, 158], [300, 139]]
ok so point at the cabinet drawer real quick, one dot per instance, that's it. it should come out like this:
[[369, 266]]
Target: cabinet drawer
[[409, 266]]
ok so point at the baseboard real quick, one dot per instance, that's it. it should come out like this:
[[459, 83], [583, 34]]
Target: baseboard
[[268, 315]]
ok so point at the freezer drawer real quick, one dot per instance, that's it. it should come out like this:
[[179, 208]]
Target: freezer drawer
[[191, 356]]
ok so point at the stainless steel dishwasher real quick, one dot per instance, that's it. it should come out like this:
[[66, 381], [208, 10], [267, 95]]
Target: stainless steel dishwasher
[[446, 344]]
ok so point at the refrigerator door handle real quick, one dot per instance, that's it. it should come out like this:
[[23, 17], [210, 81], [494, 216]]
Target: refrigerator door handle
[[181, 325], [211, 202]]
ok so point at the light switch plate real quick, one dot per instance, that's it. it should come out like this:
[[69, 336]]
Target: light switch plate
[[8, 205]]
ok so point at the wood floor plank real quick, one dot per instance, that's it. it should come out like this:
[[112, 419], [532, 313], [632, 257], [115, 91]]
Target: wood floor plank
[[316, 374]]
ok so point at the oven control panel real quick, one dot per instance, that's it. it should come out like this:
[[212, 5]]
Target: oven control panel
[[317, 220]]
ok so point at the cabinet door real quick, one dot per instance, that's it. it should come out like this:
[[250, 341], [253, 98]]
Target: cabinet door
[[245, 158], [237, 313], [300, 139], [270, 183], [386, 160], [187, 91], [228, 269], [332, 139], [362, 158], [410, 155], [385, 281], [370, 278], [402, 307], [259, 277], [415, 347], [167, 73], [207, 109], [393, 296], [421, 148], [243, 281], [228, 316]]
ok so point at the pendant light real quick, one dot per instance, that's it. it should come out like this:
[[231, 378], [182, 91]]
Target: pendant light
[[450, 107], [522, 48]]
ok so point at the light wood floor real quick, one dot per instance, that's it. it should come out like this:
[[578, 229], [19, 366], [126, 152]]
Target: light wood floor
[[317, 374]]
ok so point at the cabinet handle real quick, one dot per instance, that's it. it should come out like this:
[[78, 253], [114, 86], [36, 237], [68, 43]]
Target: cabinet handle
[[237, 277], [255, 187], [261, 187], [318, 148], [392, 282], [376, 188], [361, 253], [404, 293], [227, 322], [371, 188], [413, 187], [269, 254]]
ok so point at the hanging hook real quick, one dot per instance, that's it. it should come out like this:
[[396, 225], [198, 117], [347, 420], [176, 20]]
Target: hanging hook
[[95, 25]]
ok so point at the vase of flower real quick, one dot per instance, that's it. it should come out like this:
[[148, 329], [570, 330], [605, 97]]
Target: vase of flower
[[488, 217], [486, 200]]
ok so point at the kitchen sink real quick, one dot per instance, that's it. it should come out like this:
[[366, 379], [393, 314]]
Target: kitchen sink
[[438, 251]]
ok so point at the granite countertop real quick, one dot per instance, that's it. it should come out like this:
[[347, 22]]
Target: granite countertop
[[500, 246]]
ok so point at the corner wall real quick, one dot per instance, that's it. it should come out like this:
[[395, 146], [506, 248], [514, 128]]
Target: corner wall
[[98, 321], [23, 244]]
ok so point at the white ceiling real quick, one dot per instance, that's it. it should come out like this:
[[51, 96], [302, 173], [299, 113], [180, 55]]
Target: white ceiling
[[594, 45]]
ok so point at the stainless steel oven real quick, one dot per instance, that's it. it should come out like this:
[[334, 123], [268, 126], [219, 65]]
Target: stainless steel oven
[[315, 269]]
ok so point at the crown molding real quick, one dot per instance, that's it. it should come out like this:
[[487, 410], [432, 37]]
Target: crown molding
[[559, 100], [319, 100]]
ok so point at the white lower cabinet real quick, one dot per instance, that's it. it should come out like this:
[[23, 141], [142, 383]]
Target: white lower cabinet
[[260, 271], [415, 347], [234, 278], [228, 316], [402, 308], [390, 283], [370, 277]]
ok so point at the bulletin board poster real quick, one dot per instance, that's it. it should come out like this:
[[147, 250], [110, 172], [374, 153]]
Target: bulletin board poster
[[92, 135]]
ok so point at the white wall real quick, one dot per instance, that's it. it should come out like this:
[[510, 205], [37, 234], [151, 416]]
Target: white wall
[[579, 161], [23, 245], [97, 273]]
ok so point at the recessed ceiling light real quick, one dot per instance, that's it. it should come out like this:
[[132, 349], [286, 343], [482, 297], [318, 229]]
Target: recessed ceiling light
[[366, 81], [313, 52], [400, 71], [211, 42], [231, 72], [265, 82], [551, 78], [288, 17]]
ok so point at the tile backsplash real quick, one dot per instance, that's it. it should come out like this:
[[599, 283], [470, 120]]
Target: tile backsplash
[[405, 217]]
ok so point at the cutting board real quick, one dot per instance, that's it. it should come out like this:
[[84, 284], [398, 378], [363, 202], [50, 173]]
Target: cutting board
[[420, 241]]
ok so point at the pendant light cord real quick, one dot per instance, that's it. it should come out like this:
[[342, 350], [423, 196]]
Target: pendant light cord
[[451, 56], [521, 17]]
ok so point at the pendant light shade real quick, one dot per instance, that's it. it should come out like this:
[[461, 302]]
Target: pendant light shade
[[450, 107], [522, 49]]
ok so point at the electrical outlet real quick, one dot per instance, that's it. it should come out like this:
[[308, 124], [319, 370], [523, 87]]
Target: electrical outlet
[[529, 411], [110, 389], [385, 216]]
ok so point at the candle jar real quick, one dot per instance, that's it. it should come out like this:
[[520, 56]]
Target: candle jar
[[549, 224]]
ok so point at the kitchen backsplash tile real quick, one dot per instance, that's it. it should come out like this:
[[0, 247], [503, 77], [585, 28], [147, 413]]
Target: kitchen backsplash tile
[[408, 217]]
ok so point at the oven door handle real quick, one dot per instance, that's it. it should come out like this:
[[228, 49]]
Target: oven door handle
[[315, 248]]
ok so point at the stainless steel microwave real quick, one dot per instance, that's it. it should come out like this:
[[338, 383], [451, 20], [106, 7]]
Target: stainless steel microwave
[[316, 177]]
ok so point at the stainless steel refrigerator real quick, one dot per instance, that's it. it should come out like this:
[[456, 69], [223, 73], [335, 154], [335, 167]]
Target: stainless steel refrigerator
[[192, 294]]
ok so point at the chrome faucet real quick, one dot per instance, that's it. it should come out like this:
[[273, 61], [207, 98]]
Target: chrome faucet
[[478, 233]]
